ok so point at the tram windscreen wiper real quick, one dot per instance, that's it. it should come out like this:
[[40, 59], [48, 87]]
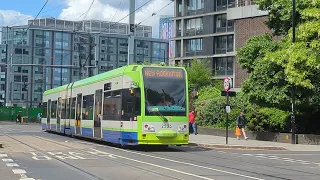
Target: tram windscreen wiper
[[157, 112]]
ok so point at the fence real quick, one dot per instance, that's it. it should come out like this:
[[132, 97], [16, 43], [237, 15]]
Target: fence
[[10, 113]]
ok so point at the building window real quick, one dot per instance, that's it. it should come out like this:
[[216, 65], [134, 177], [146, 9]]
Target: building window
[[221, 5], [223, 66], [221, 44], [230, 26], [194, 47], [195, 7], [230, 44], [194, 26], [221, 23], [123, 42]]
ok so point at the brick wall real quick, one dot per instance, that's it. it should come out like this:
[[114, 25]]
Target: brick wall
[[244, 30]]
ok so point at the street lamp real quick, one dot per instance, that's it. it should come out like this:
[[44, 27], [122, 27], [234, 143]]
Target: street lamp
[[293, 138]]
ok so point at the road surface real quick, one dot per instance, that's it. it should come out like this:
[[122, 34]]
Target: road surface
[[31, 154]]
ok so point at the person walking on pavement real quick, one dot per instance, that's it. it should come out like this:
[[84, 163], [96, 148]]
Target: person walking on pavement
[[192, 123], [241, 123], [19, 118]]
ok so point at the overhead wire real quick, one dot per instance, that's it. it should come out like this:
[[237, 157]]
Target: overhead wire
[[155, 13], [38, 13], [116, 10]]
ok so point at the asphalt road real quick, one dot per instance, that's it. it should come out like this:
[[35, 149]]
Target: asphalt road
[[31, 154]]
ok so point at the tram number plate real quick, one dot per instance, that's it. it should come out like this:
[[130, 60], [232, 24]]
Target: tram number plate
[[166, 126]]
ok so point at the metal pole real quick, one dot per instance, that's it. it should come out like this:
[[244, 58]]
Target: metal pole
[[293, 138], [227, 118], [131, 31]]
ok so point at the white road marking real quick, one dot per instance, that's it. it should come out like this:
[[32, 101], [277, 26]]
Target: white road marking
[[19, 171], [291, 154], [41, 157], [267, 156], [179, 162], [158, 166], [7, 160], [27, 179], [12, 164], [3, 155]]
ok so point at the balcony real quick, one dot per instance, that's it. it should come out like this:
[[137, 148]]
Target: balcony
[[244, 9], [194, 32], [194, 53], [194, 12]]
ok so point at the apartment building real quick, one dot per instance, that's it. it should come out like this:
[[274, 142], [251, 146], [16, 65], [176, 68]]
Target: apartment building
[[55, 52]]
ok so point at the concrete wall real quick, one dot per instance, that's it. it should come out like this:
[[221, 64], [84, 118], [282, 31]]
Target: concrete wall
[[265, 136]]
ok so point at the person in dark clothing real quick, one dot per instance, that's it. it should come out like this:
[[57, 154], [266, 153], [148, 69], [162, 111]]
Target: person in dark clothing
[[19, 118], [241, 123]]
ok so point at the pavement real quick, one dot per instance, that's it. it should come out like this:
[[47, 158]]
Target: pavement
[[30, 154], [220, 142]]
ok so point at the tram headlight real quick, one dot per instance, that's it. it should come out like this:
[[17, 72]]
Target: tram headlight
[[149, 128], [183, 128]]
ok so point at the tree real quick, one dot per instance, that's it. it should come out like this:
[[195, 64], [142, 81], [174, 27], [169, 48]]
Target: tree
[[280, 13], [199, 73], [276, 68]]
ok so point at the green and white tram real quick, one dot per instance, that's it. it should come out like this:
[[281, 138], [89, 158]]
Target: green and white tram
[[131, 105]]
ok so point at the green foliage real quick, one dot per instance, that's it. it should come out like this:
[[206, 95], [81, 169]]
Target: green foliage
[[254, 50], [199, 73], [280, 13], [268, 119], [282, 66]]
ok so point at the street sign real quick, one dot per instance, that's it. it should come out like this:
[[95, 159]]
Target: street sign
[[230, 93], [227, 83], [228, 109]]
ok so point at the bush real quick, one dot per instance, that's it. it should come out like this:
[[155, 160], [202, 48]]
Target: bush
[[210, 108]]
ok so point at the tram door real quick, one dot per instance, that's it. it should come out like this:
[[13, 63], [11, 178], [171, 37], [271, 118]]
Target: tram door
[[59, 113], [48, 113], [97, 114], [78, 113]]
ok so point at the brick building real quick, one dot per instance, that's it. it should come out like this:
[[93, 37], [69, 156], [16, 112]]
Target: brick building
[[215, 30]]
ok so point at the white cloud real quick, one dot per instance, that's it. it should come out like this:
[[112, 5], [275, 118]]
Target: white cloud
[[106, 9], [10, 17]]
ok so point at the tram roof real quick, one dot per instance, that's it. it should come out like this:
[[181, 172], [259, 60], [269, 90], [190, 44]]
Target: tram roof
[[99, 77]]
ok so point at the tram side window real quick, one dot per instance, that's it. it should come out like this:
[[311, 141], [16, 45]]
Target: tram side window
[[59, 108], [44, 110], [54, 109], [87, 107], [68, 108], [78, 107], [116, 101], [127, 105], [107, 106], [137, 102], [63, 109], [73, 108]]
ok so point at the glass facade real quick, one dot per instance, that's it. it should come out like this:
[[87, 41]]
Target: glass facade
[[202, 34], [45, 59]]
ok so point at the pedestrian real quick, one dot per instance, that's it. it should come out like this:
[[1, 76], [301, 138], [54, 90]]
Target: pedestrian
[[241, 124], [192, 122], [39, 117], [19, 118]]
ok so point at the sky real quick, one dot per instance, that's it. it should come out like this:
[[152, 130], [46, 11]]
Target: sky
[[18, 12]]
